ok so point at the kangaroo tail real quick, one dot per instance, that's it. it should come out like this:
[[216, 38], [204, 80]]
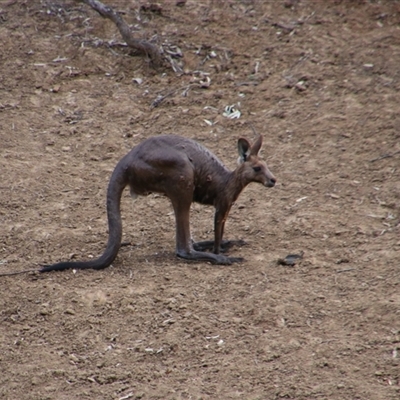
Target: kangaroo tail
[[117, 184]]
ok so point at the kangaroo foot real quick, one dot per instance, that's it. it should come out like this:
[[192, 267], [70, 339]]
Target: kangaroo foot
[[217, 259], [208, 245]]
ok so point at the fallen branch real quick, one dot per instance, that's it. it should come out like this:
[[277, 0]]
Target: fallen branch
[[142, 46]]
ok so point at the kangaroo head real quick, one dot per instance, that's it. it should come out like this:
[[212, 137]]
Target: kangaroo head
[[252, 168]]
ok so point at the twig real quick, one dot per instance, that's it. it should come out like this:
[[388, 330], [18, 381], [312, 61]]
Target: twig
[[161, 97], [25, 271], [128, 396], [345, 270], [142, 46], [385, 156], [254, 129]]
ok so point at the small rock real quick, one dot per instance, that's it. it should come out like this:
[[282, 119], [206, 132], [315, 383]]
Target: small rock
[[291, 259]]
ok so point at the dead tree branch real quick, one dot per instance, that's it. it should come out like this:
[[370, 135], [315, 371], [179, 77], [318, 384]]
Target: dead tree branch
[[142, 46]]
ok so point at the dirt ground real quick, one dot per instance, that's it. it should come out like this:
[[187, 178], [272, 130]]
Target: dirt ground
[[320, 80]]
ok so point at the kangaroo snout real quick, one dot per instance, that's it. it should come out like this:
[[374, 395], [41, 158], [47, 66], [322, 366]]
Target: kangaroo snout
[[270, 182], [270, 179]]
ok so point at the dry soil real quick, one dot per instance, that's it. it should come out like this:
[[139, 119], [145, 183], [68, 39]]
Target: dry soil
[[320, 80]]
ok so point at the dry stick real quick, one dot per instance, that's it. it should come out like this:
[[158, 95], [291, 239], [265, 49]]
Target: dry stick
[[25, 271], [142, 46], [254, 129], [385, 156], [339, 271], [160, 98]]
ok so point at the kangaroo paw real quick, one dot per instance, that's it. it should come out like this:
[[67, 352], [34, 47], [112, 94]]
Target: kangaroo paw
[[234, 260], [228, 244], [217, 259], [208, 245], [204, 246]]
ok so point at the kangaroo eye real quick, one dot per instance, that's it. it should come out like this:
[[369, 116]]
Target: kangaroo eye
[[256, 169]]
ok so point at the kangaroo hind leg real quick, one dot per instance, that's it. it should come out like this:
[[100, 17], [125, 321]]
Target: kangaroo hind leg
[[184, 246]]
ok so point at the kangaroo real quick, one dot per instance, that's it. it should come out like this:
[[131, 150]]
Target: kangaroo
[[186, 172]]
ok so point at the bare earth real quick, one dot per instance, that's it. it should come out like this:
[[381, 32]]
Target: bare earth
[[321, 81]]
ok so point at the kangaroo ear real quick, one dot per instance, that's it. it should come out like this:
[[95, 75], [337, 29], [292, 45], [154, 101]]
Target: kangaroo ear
[[244, 149], [256, 146]]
